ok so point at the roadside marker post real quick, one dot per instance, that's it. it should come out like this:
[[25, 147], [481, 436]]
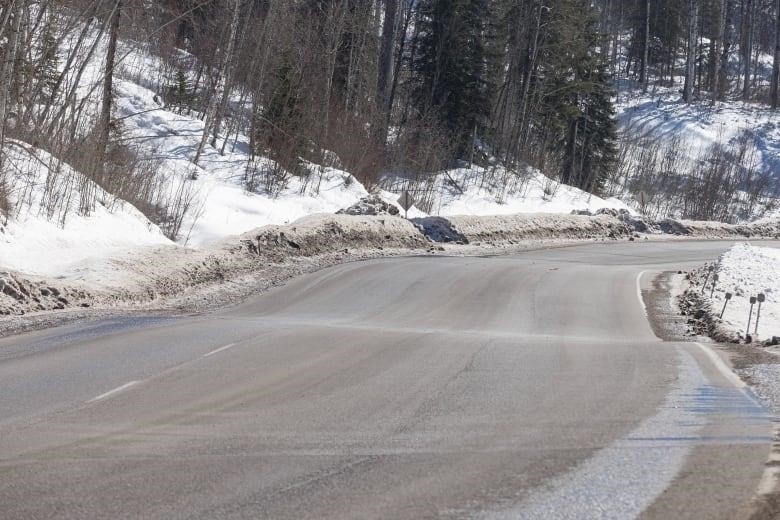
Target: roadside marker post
[[714, 283], [750, 315], [728, 297], [710, 269], [761, 299], [406, 201]]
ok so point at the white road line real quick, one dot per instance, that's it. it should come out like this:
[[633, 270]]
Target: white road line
[[218, 350], [770, 479], [639, 290], [722, 367], [114, 391]]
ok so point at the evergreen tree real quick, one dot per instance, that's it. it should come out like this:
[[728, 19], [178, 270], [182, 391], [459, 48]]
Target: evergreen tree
[[454, 72], [576, 115], [180, 92], [281, 117], [599, 133]]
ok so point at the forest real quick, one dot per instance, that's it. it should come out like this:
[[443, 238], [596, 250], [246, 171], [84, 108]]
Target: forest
[[395, 89]]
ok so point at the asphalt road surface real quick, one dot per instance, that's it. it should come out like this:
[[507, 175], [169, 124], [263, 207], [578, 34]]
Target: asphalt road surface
[[528, 386]]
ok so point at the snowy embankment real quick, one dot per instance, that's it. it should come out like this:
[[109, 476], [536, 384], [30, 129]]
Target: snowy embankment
[[732, 286], [747, 271], [50, 232], [179, 278], [44, 236], [663, 116], [187, 279], [663, 138]]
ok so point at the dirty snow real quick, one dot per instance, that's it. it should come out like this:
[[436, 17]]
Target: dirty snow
[[745, 271]]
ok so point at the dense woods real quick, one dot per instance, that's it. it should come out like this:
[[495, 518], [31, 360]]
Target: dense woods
[[385, 88]]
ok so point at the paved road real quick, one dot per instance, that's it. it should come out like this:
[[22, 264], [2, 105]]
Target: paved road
[[514, 387]]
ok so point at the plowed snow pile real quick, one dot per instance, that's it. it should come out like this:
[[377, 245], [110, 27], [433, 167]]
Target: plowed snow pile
[[746, 271]]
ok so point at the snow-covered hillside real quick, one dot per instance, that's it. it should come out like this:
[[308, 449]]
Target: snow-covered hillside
[[664, 117], [225, 207], [43, 236], [72, 237], [51, 232]]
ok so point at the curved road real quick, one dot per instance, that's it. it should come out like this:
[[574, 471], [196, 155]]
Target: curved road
[[528, 386]]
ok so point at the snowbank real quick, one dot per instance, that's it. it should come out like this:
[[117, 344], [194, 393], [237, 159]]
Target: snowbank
[[507, 230], [745, 271]]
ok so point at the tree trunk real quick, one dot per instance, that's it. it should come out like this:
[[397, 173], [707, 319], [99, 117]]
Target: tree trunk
[[104, 123], [569, 173], [227, 74], [776, 61], [747, 51], [645, 48], [385, 69], [8, 66], [728, 37], [400, 56], [212, 107], [715, 50], [690, 60]]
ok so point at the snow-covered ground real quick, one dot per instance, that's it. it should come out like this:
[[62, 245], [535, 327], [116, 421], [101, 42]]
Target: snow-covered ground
[[663, 116], [50, 233], [481, 192], [745, 271], [660, 132], [36, 241], [223, 206]]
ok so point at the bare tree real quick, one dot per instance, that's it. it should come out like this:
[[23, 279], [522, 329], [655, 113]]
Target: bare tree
[[747, 50], [719, 10], [643, 76], [776, 61], [104, 122], [690, 61], [385, 69], [227, 62]]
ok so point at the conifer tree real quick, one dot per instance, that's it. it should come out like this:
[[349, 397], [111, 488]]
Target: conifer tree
[[454, 70]]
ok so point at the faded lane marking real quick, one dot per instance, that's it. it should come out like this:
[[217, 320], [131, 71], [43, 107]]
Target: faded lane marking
[[217, 351], [113, 392]]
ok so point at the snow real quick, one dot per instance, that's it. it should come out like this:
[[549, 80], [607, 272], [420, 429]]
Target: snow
[[530, 192], [223, 205], [66, 242], [479, 191], [664, 116], [227, 208], [69, 242], [745, 271], [745, 130]]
